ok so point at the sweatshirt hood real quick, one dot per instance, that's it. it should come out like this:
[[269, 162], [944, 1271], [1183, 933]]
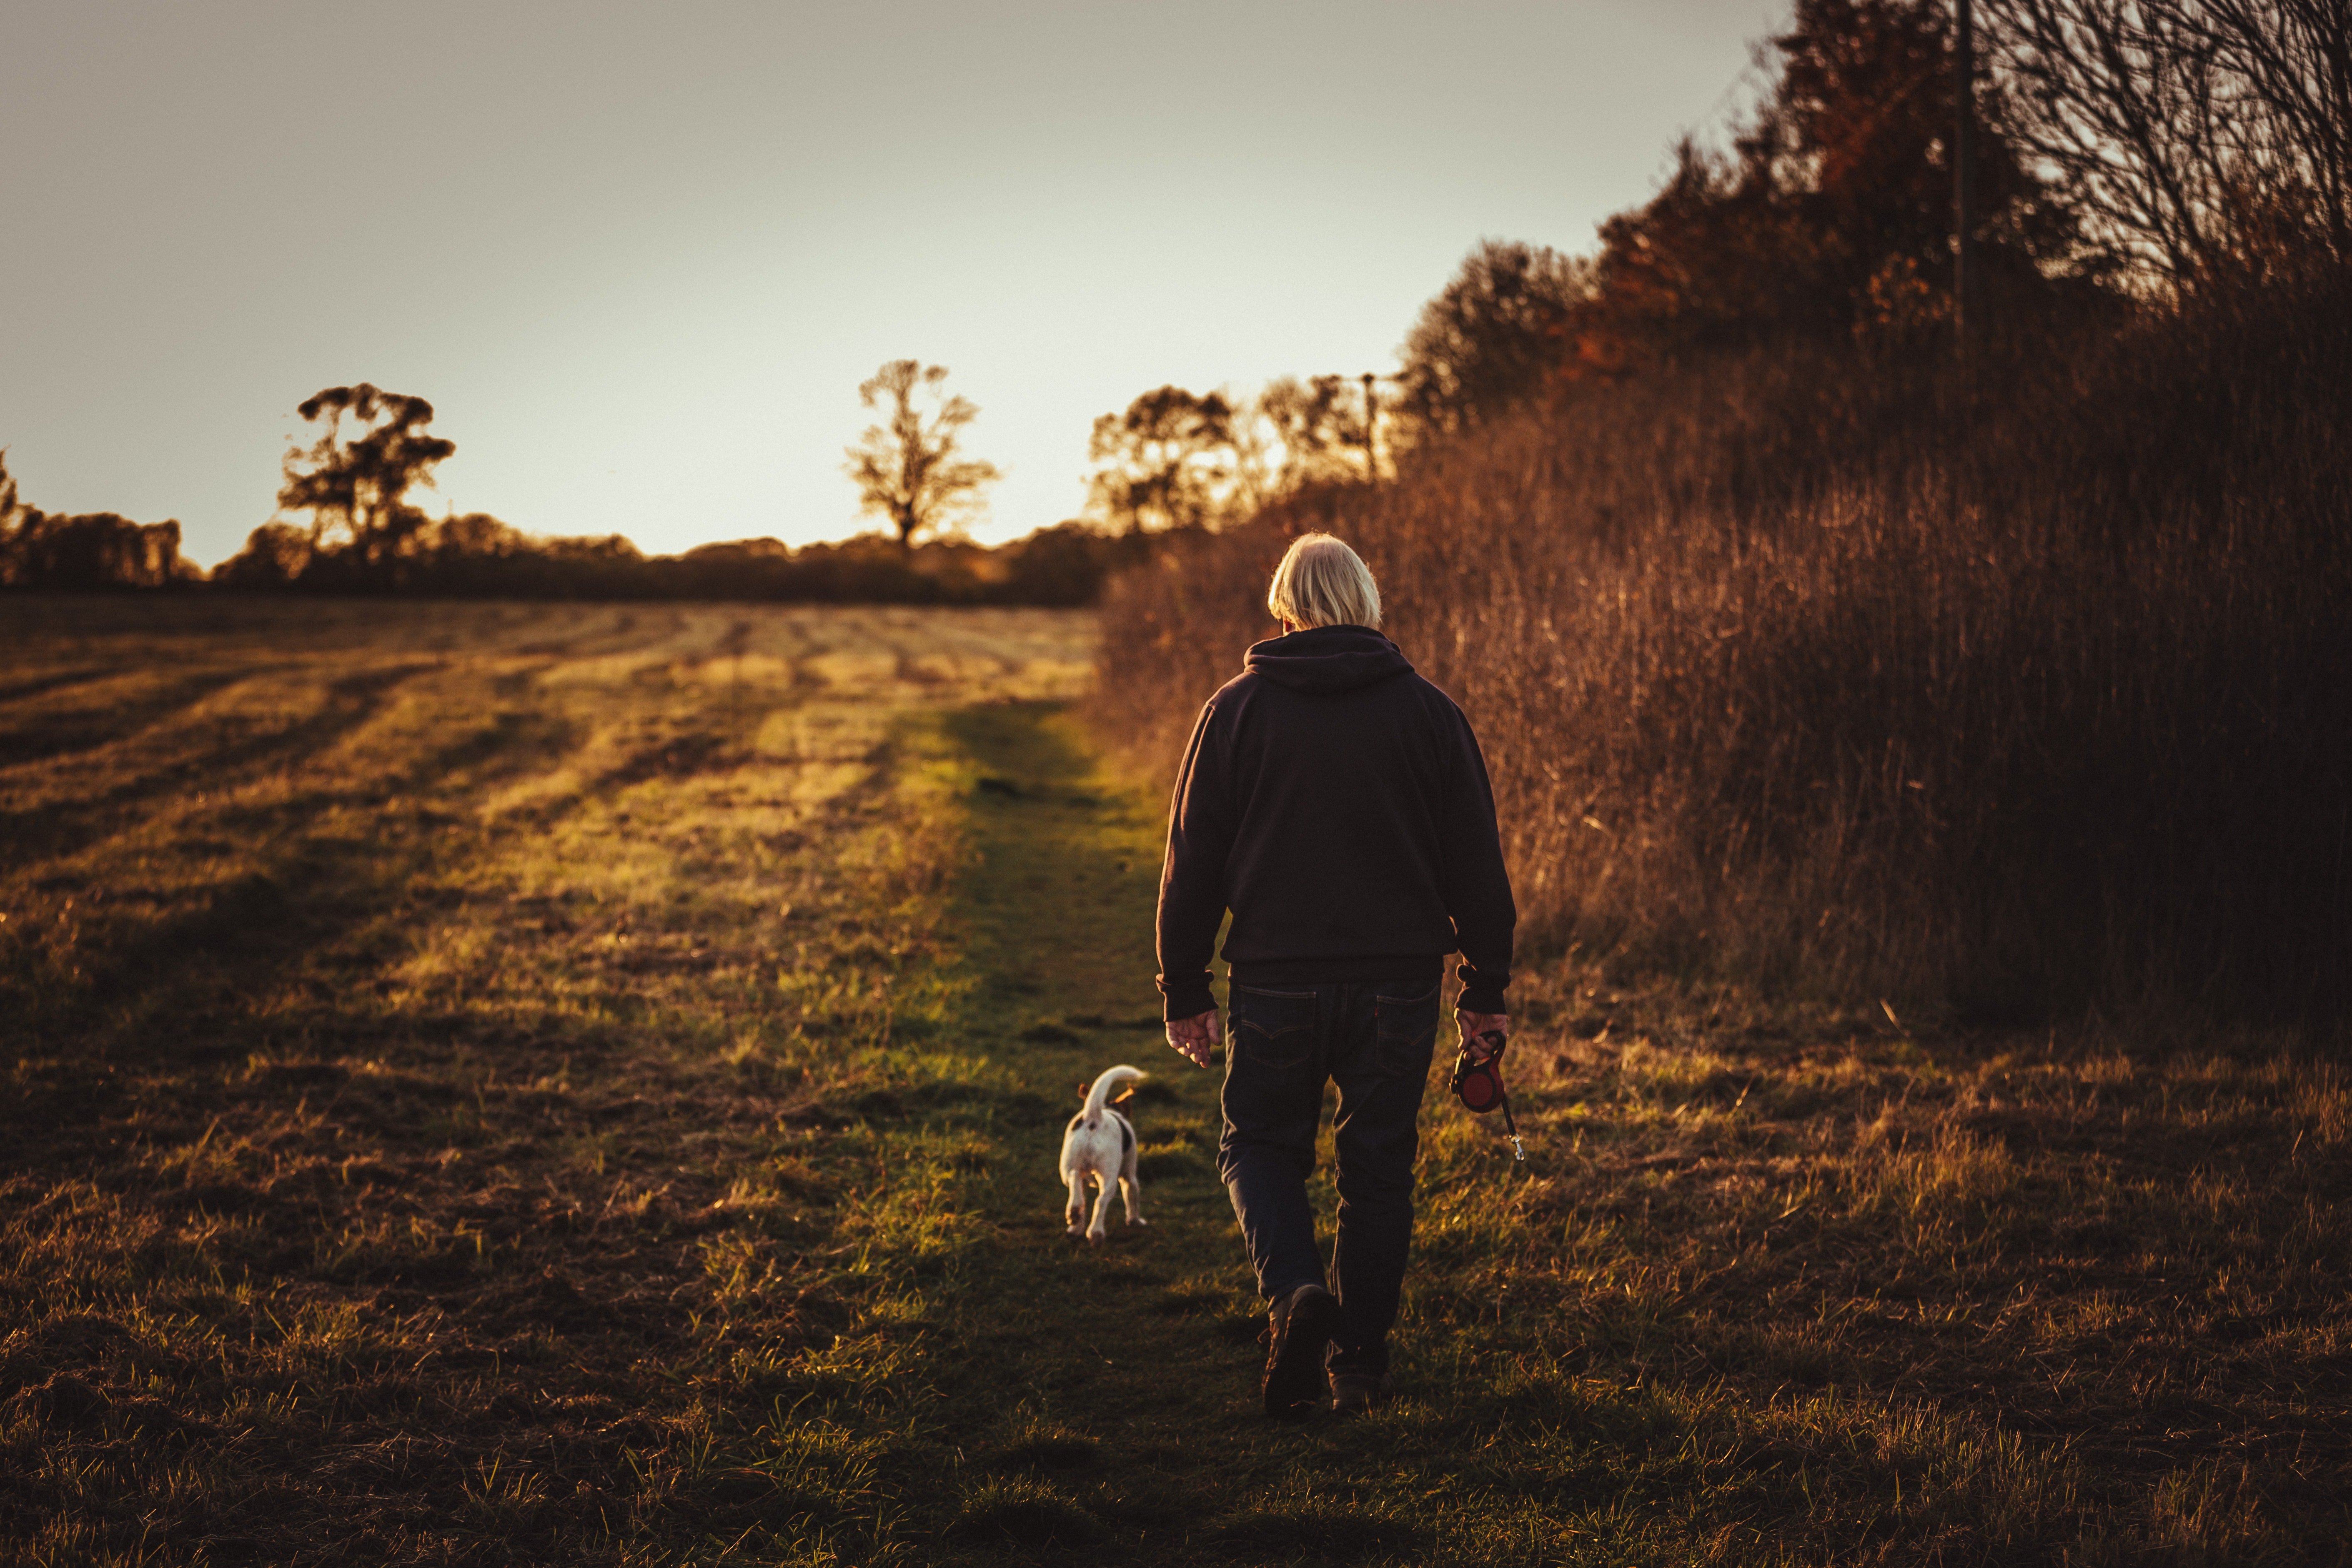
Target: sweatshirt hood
[[1326, 660]]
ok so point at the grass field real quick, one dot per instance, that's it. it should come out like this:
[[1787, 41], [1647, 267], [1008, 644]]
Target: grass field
[[581, 1085]]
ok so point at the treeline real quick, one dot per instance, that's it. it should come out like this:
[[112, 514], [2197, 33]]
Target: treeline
[[1810, 652], [475, 556], [88, 552]]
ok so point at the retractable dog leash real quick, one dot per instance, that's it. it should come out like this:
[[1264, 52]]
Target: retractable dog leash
[[1479, 1087]]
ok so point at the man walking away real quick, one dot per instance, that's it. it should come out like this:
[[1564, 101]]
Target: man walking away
[[1338, 805]]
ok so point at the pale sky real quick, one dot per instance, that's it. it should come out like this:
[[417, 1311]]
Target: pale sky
[[639, 256]]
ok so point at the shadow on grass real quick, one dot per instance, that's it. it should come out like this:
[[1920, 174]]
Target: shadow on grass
[[58, 828], [186, 986]]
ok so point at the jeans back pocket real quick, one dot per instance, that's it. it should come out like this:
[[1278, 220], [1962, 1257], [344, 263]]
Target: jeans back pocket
[[1272, 1028], [1406, 1027]]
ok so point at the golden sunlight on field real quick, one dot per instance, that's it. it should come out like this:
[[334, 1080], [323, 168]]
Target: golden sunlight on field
[[154, 761], [199, 769], [393, 990], [580, 1085]]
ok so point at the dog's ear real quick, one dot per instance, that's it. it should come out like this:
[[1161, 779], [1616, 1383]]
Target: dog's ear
[[1085, 1088]]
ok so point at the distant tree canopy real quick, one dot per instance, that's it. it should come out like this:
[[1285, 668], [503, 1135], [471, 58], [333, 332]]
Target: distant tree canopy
[[1165, 462], [1832, 212], [477, 556], [1491, 339], [2122, 152], [88, 552], [1177, 462], [1318, 427], [366, 538], [909, 468], [355, 487]]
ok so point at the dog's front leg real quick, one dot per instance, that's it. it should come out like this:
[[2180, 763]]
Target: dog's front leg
[[1077, 1213]]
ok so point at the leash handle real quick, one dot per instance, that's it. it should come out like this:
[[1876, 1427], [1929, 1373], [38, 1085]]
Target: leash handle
[[1493, 1040], [1479, 1085]]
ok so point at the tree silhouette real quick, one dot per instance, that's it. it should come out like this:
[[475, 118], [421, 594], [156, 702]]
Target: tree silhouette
[[86, 552], [2194, 136], [11, 505], [1166, 462], [1319, 425], [1831, 214], [907, 468], [1488, 343], [356, 489]]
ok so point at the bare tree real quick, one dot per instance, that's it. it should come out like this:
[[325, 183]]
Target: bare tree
[[909, 468], [2296, 59], [2191, 134]]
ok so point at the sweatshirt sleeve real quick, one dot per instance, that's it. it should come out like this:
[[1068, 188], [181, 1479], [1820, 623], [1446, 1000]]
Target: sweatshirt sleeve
[[1477, 887], [1193, 878]]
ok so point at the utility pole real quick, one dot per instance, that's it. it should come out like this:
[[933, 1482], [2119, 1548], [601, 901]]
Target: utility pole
[[1371, 423], [1966, 309]]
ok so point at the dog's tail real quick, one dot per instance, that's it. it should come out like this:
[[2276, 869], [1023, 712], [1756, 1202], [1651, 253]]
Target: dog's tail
[[1099, 1096]]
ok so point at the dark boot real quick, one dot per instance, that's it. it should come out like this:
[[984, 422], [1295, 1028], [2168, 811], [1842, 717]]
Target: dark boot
[[1353, 1393], [1298, 1332]]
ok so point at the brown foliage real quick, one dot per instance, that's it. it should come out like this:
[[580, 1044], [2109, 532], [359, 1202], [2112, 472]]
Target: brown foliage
[[1831, 214], [2013, 694]]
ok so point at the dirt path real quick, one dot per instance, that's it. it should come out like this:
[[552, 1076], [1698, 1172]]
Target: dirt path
[[1126, 1370], [1110, 1392]]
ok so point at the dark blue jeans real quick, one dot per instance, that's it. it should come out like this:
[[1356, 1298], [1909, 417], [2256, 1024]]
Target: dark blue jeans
[[1373, 1039]]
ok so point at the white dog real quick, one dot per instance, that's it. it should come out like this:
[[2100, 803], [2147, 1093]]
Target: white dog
[[1101, 1144]]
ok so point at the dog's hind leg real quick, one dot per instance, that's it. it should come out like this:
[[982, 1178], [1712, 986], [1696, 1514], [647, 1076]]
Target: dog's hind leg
[[1076, 1211], [1100, 1227], [1130, 1189]]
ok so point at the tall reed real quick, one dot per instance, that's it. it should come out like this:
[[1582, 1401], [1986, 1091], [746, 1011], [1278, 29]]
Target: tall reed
[[2014, 689]]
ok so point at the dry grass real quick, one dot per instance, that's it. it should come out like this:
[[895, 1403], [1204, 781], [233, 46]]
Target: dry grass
[[494, 1084], [2001, 698], [2019, 1298], [436, 1038]]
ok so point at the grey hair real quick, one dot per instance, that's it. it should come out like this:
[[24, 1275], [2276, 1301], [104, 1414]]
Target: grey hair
[[1322, 582]]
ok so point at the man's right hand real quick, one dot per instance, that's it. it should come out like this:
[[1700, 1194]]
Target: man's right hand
[[1193, 1038], [1476, 1026]]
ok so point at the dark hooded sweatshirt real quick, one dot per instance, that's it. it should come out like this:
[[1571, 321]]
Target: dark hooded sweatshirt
[[1337, 803]]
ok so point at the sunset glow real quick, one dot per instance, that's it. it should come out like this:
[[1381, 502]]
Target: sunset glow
[[640, 261]]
